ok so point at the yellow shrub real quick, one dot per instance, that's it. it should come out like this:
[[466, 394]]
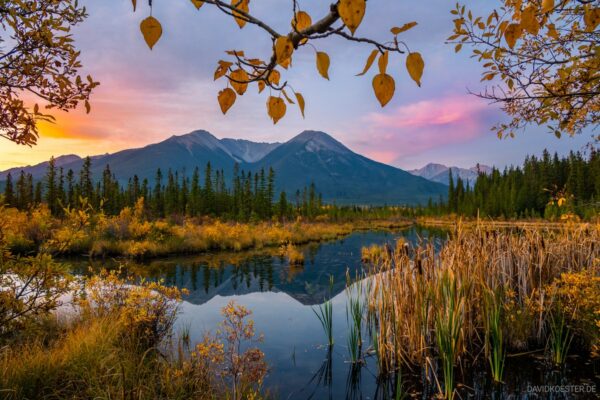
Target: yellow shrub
[[578, 294]]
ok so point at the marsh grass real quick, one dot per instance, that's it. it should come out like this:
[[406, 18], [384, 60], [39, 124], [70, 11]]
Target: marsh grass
[[87, 231], [354, 317], [324, 313], [560, 338], [448, 325], [427, 303], [493, 327]]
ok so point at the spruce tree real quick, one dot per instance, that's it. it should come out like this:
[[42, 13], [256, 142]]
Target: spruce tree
[[9, 194]]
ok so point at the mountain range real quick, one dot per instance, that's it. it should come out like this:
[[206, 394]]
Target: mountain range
[[440, 173], [338, 173]]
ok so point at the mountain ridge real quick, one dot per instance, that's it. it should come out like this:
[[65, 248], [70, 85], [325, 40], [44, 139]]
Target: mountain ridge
[[338, 173], [440, 173]]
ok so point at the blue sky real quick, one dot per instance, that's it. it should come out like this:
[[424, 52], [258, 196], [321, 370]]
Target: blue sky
[[146, 96]]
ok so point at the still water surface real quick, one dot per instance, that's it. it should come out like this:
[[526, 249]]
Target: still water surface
[[282, 298]]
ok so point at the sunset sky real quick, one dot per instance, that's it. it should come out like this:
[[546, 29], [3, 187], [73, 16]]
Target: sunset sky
[[146, 96]]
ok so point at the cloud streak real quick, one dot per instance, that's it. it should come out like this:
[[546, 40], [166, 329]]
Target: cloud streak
[[424, 125]]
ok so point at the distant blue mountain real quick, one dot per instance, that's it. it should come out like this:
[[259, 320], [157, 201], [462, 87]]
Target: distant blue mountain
[[339, 174], [439, 173]]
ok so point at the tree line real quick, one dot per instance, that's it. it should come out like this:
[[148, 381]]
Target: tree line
[[535, 189], [248, 195]]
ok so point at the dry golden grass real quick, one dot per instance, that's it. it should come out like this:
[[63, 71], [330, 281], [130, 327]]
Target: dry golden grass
[[84, 232], [410, 303]]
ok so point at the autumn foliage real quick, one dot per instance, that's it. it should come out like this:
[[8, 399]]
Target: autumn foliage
[[39, 62], [544, 56], [341, 19]]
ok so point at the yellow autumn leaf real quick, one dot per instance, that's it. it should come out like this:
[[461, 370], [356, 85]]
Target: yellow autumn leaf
[[244, 6], [301, 103], [222, 69], [261, 86], [415, 66], [591, 18], [552, 32], [286, 63], [384, 88], [198, 3], [352, 12], [369, 63], [152, 31], [383, 62], [512, 34], [276, 108], [274, 77], [403, 28], [283, 50], [289, 100], [226, 99], [561, 201], [300, 22], [239, 81], [547, 6], [529, 20], [237, 53], [323, 64]]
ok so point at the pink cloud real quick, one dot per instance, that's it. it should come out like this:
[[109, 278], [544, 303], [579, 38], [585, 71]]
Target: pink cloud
[[430, 113], [418, 127]]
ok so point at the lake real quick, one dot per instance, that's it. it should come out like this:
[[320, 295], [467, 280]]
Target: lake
[[282, 298]]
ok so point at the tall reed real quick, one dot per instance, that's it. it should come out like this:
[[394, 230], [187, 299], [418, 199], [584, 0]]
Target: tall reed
[[324, 313], [424, 302], [354, 316], [560, 338], [493, 332], [448, 325]]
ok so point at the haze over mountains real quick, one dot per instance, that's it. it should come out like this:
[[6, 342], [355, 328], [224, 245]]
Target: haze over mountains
[[339, 174], [439, 173]]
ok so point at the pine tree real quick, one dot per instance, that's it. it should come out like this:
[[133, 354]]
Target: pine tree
[[9, 194], [51, 191], [157, 195], [208, 201], [282, 206], [451, 193], [195, 194], [86, 185]]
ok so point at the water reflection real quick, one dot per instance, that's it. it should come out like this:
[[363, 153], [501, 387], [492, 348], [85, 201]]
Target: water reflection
[[302, 366], [227, 274]]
